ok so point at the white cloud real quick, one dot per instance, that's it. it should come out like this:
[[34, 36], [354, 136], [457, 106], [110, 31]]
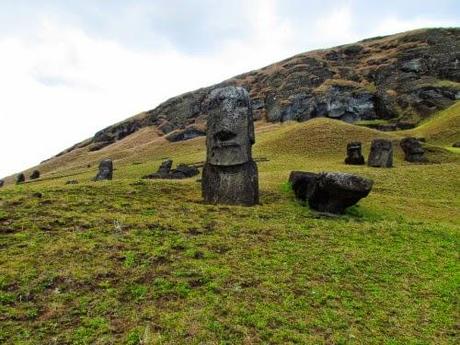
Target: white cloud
[[394, 24]]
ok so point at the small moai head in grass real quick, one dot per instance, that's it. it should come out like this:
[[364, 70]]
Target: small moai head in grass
[[20, 178], [105, 170], [354, 155], [35, 175], [230, 132], [2, 183]]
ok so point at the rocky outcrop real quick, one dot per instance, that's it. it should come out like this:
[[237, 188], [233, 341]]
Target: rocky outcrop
[[402, 78], [330, 192]]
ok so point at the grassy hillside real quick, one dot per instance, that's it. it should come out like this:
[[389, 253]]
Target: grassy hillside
[[146, 262]]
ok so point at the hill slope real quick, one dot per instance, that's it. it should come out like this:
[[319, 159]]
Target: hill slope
[[402, 78], [131, 261]]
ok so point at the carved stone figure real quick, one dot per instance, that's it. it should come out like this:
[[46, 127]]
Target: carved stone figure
[[381, 154], [165, 172], [230, 174], [20, 178], [354, 155], [105, 170], [413, 150], [330, 192]]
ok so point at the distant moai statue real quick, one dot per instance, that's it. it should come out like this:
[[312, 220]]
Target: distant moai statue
[[354, 155], [381, 154], [2, 183], [230, 174], [105, 170], [35, 175], [20, 178], [413, 150]]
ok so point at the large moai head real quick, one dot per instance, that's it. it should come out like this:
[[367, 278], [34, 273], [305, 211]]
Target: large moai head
[[230, 133], [381, 154], [413, 150]]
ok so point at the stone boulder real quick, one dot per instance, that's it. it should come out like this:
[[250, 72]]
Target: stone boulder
[[330, 192], [413, 150], [20, 178], [354, 155], [165, 172], [35, 175], [105, 170], [381, 154]]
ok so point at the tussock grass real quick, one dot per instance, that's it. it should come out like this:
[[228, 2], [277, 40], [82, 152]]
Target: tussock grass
[[133, 261]]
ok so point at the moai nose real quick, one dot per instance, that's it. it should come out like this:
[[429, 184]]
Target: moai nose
[[224, 135]]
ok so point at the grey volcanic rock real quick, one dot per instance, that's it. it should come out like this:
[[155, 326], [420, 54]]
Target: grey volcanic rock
[[165, 172], [413, 150], [381, 154], [330, 192], [20, 178], [105, 170], [35, 175], [2, 183], [354, 155], [230, 174], [185, 134]]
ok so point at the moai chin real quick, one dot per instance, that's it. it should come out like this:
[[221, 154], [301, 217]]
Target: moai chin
[[230, 174]]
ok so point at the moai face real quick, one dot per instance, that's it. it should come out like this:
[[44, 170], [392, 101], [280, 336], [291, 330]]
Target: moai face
[[354, 148], [230, 127]]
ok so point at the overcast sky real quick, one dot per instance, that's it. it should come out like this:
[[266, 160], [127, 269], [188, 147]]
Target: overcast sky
[[71, 68]]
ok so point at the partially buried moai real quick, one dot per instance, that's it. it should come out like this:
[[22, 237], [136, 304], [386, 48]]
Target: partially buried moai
[[230, 174], [381, 154], [354, 155], [105, 170]]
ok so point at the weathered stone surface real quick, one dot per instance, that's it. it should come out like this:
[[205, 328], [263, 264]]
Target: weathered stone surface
[[330, 192], [105, 170], [2, 183], [231, 185], [413, 150], [165, 172], [354, 155], [381, 154], [35, 175], [230, 174], [20, 178]]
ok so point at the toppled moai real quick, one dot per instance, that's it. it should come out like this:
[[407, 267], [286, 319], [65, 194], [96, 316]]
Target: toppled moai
[[329, 192], [105, 170], [35, 175], [20, 178], [230, 174], [354, 155], [381, 154], [413, 150], [165, 172]]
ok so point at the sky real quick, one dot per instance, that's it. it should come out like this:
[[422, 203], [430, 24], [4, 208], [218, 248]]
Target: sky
[[70, 68]]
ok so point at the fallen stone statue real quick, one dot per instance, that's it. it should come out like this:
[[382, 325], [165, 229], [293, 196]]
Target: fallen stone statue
[[354, 155], [165, 172], [230, 174], [105, 170], [413, 150], [330, 192]]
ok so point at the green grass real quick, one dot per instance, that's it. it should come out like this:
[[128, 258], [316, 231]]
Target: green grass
[[146, 262]]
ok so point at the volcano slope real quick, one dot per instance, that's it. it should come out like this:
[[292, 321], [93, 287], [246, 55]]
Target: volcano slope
[[134, 261]]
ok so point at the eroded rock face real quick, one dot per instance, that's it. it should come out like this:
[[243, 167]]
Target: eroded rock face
[[105, 170], [35, 175], [230, 174], [354, 155], [381, 154], [413, 150], [20, 178], [330, 192]]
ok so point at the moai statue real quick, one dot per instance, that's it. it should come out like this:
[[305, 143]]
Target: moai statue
[[165, 167], [105, 170], [354, 155], [230, 174], [35, 175], [381, 155], [20, 178], [2, 183], [413, 150]]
